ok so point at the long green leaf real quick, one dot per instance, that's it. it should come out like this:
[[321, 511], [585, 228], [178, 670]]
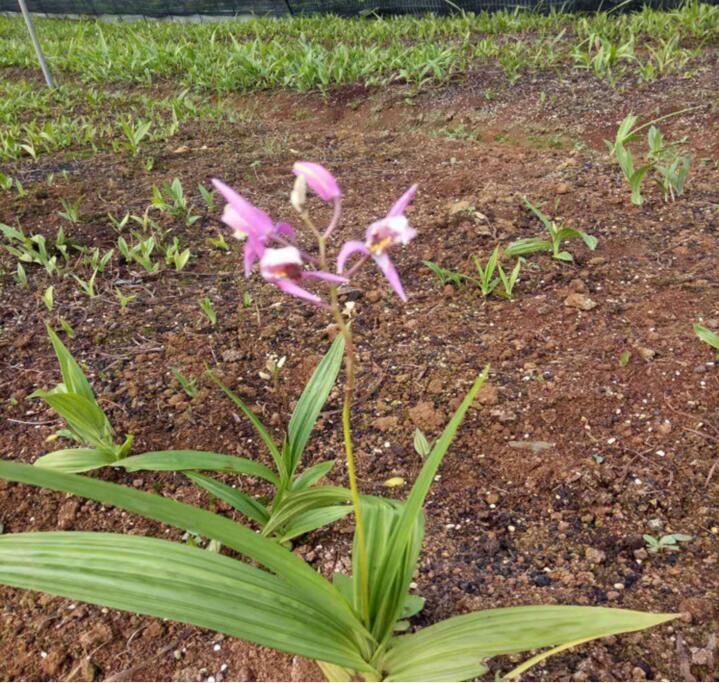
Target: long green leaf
[[72, 375], [312, 475], [395, 562], [256, 423], [455, 649], [298, 502], [388, 597], [247, 505], [83, 416], [312, 400], [172, 581], [75, 460], [312, 587], [176, 461], [314, 519], [526, 246]]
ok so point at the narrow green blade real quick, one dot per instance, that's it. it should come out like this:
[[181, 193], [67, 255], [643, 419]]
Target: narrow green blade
[[245, 504], [314, 519], [256, 423], [299, 502], [394, 562], [455, 649], [177, 461], [312, 475], [82, 415], [75, 460], [72, 375], [313, 399]]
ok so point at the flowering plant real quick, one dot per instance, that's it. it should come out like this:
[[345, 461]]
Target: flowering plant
[[349, 625]]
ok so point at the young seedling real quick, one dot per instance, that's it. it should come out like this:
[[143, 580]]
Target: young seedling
[[47, 298], [87, 286], [219, 242], [98, 261], [673, 168], [119, 223], [208, 196], [177, 205], [668, 542], [557, 235], [86, 423], [246, 299], [421, 445], [141, 253], [708, 337], [189, 386], [32, 249], [71, 210], [173, 255], [508, 281], [21, 276], [487, 282], [124, 299], [135, 132], [209, 311], [445, 276]]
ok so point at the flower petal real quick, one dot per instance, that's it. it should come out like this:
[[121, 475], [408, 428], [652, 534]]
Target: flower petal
[[245, 216], [286, 229], [319, 179], [322, 275], [253, 252], [390, 272], [349, 248], [403, 202], [295, 290]]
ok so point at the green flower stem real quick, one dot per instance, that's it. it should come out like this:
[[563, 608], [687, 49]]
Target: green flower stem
[[346, 332]]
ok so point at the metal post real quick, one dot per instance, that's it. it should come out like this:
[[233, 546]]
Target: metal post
[[36, 43]]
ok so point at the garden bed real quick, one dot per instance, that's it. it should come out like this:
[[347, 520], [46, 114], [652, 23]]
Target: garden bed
[[597, 426]]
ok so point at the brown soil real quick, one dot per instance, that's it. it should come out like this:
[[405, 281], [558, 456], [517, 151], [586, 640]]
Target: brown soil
[[633, 449]]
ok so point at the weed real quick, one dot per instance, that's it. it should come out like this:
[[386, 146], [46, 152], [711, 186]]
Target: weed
[[667, 542]]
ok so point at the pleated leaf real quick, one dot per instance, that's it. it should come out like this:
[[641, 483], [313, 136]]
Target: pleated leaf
[[256, 423], [314, 519], [312, 475], [312, 589], [299, 502], [388, 596], [72, 375], [177, 461], [242, 502], [384, 604], [75, 460], [312, 400], [455, 649], [84, 417], [172, 581]]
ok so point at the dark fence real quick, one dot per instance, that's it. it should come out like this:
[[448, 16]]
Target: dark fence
[[166, 8]]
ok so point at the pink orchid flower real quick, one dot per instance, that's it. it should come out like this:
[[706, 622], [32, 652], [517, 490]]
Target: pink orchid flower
[[247, 221], [381, 235], [319, 179], [284, 268]]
